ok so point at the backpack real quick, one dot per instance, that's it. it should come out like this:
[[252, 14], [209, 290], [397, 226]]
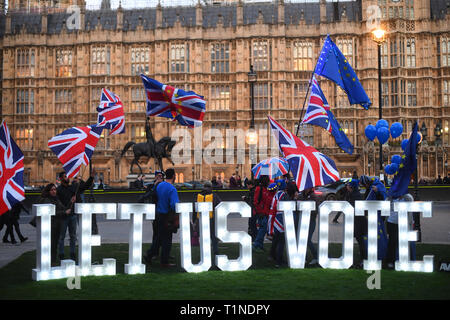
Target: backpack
[[205, 198]]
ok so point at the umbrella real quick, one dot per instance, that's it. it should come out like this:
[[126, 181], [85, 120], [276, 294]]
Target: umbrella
[[272, 167]]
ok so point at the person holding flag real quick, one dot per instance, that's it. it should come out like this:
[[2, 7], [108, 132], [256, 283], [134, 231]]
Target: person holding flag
[[399, 192], [69, 194]]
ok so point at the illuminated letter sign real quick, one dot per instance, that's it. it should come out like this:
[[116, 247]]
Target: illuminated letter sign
[[44, 271], [136, 211], [86, 240], [296, 246], [345, 261], [244, 261], [296, 240], [372, 262], [185, 210], [404, 235]]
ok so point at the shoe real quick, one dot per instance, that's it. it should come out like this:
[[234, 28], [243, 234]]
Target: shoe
[[24, 239], [335, 222], [277, 266], [390, 266], [61, 257], [73, 257], [313, 262], [168, 265], [13, 241], [6, 241]]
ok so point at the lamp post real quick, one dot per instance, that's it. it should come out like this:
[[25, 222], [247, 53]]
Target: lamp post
[[252, 137], [379, 36], [423, 131], [437, 133]]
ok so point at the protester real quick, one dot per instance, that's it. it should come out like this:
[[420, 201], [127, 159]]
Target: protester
[[139, 182], [239, 181], [275, 224], [150, 196], [233, 182], [219, 182], [11, 219], [252, 229], [360, 222], [166, 218], [308, 195], [68, 195], [262, 201], [439, 180], [214, 182], [447, 179], [392, 230], [207, 195], [375, 190], [49, 195]]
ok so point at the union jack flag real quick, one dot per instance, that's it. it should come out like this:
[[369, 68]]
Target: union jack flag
[[309, 167], [187, 107], [11, 171], [110, 112], [75, 146], [275, 221], [318, 113]]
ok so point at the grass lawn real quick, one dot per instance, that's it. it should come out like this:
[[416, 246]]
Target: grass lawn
[[256, 283]]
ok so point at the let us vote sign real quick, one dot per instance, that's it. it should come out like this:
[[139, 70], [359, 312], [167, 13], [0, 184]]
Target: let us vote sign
[[296, 239]]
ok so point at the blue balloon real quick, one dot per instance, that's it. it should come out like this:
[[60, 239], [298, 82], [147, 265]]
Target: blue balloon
[[396, 159], [382, 123], [404, 144], [419, 136], [388, 169], [394, 167], [382, 134], [371, 132], [396, 130]]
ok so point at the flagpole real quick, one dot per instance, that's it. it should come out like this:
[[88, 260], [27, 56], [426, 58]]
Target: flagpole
[[304, 101], [307, 92]]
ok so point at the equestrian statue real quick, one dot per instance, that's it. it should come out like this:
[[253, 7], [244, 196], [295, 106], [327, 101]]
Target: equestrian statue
[[151, 148]]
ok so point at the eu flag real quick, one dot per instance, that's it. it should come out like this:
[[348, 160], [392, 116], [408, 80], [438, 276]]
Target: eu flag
[[333, 65], [409, 164]]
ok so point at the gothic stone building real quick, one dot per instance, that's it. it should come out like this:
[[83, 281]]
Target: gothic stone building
[[55, 62]]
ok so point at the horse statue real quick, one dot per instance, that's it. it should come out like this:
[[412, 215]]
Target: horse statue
[[151, 149]]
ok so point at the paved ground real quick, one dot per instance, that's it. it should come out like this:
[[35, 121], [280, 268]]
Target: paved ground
[[434, 230]]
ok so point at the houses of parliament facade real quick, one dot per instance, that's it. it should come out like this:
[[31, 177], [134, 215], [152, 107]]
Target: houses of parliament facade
[[56, 57]]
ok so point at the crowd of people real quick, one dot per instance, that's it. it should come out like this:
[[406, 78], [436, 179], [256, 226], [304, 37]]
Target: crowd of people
[[265, 223]]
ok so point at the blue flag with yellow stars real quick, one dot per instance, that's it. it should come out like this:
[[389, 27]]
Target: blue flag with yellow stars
[[401, 180], [318, 113], [333, 65]]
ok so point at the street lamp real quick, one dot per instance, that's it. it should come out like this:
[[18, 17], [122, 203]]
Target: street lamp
[[379, 36], [252, 137], [437, 133], [423, 131]]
